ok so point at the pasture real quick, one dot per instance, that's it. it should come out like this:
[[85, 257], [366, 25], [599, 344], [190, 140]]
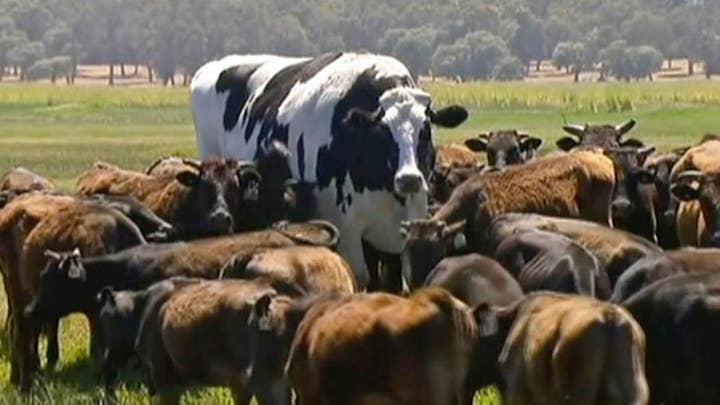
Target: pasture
[[60, 131]]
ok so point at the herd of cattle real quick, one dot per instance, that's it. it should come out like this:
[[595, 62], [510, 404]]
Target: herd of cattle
[[585, 276]]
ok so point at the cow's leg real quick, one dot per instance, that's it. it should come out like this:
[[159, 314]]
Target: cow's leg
[[53, 349], [22, 351], [97, 340], [372, 261]]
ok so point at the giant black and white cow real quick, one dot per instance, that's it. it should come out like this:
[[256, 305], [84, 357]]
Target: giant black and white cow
[[357, 126]]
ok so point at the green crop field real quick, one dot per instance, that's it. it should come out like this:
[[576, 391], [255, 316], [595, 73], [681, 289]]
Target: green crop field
[[60, 131]]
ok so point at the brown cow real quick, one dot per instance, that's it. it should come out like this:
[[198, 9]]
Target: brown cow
[[381, 337], [704, 188], [603, 136], [19, 181], [567, 349], [196, 202], [477, 280], [201, 335], [505, 147], [310, 269], [31, 225], [704, 158], [453, 155], [578, 184], [172, 166]]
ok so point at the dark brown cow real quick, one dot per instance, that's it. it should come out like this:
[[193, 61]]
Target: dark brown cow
[[19, 181], [631, 205], [616, 249], [30, 226], [603, 136], [308, 269], [380, 337], [200, 335], [119, 319], [444, 182], [567, 349], [505, 147], [664, 204], [681, 319], [654, 268], [72, 286], [478, 280], [577, 184], [542, 260]]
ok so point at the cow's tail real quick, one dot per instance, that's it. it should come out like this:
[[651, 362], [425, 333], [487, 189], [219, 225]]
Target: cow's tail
[[624, 374]]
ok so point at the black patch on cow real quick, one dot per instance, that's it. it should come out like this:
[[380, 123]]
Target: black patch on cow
[[370, 157], [234, 80], [301, 156], [265, 106]]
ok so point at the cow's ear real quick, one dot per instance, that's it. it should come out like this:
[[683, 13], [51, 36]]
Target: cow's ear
[[52, 255], [187, 178], [448, 117], [531, 143], [5, 198], [476, 144], [486, 319], [644, 152], [107, 295], [566, 143], [632, 143], [362, 119]]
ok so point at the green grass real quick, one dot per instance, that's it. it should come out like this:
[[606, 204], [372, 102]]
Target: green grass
[[60, 131]]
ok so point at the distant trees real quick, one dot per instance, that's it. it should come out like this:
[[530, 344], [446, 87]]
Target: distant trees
[[571, 56], [473, 39], [631, 62]]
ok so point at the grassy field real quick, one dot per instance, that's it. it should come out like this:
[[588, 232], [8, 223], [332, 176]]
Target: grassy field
[[60, 131]]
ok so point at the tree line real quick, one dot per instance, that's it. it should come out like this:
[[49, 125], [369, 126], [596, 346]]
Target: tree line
[[467, 39]]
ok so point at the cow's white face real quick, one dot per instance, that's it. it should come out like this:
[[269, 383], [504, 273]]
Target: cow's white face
[[405, 114]]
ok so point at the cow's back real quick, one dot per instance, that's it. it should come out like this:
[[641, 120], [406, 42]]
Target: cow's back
[[565, 349]]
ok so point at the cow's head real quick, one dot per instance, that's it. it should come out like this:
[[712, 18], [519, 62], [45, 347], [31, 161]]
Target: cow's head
[[505, 147], [661, 166], [62, 282], [215, 190], [279, 195], [427, 242], [692, 185], [406, 115], [604, 136], [445, 180], [629, 176]]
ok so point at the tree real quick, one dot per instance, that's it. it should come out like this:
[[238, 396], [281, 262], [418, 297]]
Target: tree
[[509, 68], [711, 55], [25, 54], [572, 56], [614, 60], [527, 42], [646, 28], [644, 61], [451, 60], [485, 52], [557, 30], [415, 49]]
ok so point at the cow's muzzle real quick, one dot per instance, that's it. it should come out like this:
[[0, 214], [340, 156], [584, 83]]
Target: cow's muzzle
[[408, 183]]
